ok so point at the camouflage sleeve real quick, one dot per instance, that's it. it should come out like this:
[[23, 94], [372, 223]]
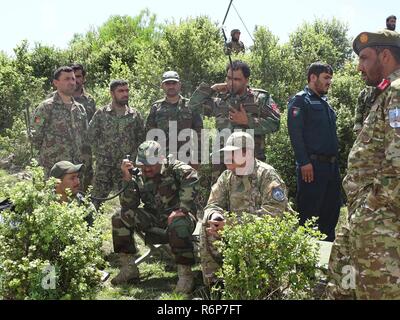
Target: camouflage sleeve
[[151, 119], [274, 194], [140, 131], [94, 130], [40, 121], [269, 119], [218, 200], [392, 134], [188, 188], [202, 101], [130, 198], [197, 126]]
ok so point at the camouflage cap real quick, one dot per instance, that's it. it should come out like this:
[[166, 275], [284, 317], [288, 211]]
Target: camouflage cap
[[238, 141], [60, 169], [171, 76], [149, 153], [380, 38]]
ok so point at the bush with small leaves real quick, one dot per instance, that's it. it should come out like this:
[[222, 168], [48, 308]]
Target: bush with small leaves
[[47, 250], [268, 258]]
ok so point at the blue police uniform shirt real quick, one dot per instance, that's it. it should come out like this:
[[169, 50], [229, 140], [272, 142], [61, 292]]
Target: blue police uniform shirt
[[312, 126]]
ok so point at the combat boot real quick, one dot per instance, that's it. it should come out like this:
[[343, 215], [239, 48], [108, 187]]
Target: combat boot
[[186, 280], [129, 271]]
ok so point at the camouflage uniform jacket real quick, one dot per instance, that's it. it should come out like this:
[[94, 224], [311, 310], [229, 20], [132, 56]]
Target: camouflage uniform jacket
[[235, 47], [59, 132], [374, 161], [262, 192], [162, 113], [88, 102], [112, 137], [175, 188], [262, 112], [364, 103]]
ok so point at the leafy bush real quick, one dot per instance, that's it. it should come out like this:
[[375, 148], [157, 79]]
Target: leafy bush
[[47, 250], [268, 258]]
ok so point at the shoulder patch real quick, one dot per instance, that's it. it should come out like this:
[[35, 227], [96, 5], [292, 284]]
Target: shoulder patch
[[394, 117], [278, 194]]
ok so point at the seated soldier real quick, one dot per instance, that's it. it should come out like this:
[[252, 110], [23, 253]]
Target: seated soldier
[[248, 185], [167, 190], [67, 175]]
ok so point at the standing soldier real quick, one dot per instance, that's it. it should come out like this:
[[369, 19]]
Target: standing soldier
[[248, 185], [173, 110], [312, 130], [365, 260], [236, 107], [60, 124], [235, 45], [167, 188], [115, 131], [85, 99]]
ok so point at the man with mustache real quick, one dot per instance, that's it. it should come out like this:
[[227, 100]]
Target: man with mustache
[[365, 259], [172, 112], [312, 130], [115, 131], [60, 124]]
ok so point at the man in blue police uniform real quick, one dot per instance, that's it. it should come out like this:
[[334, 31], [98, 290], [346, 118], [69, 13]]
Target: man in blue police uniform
[[312, 130]]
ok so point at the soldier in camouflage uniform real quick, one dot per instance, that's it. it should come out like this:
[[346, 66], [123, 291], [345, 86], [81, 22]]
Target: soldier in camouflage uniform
[[115, 131], [248, 185], [236, 107], [60, 125], [167, 189], [235, 46], [365, 260], [173, 108], [364, 103], [88, 102]]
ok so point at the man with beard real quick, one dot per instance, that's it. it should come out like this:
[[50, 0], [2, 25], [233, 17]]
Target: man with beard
[[235, 45], [85, 99], [365, 259], [236, 107], [391, 23], [312, 130], [171, 115], [115, 131], [60, 124]]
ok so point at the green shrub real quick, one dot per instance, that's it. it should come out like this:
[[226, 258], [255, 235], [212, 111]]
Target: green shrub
[[269, 258], [47, 250]]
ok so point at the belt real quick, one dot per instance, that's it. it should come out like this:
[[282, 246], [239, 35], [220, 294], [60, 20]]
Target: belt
[[323, 158]]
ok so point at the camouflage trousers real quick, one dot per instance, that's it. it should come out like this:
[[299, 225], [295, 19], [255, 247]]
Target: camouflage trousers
[[365, 259], [178, 234], [211, 259], [106, 179]]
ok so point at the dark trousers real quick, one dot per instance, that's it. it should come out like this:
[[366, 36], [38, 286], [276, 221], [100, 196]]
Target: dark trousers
[[321, 198]]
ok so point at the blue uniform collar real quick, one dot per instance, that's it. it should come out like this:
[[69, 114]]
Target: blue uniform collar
[[311, 93]]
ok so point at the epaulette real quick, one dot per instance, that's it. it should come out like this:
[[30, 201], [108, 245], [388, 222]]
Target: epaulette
[[301, 94]]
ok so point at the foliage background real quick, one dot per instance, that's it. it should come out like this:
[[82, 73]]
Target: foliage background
[[140, 49]]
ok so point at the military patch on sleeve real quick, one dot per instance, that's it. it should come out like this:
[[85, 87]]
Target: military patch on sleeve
[[295, 112], [394, 117], [278, 194]]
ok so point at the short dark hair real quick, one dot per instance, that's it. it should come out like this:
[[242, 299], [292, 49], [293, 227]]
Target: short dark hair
[[57, 73], [239, 65], [317, 68], [395, 51], [78, 66], [391, 17], [118, 83]]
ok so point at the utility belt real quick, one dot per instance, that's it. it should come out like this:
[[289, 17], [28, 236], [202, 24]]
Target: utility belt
[[323, 158]]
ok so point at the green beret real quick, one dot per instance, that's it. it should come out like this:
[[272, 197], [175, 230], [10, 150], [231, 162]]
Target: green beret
[[380, 38]]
